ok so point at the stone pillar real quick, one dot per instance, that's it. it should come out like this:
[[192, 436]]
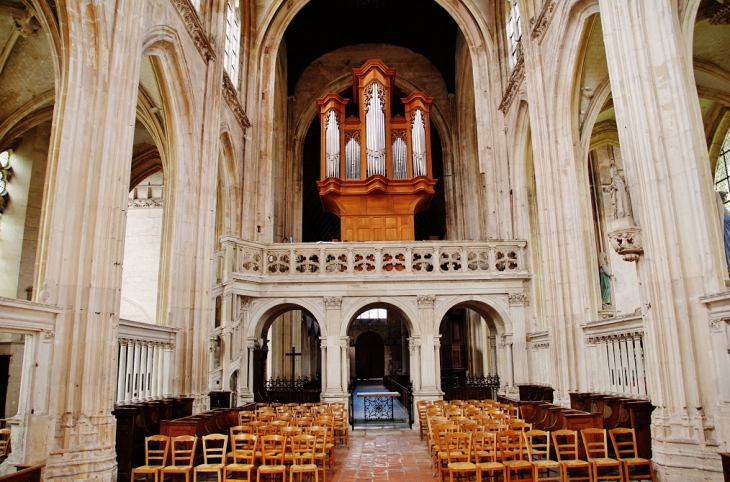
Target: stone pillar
[[332, 388], [246, 383], [662, 139], [414, 344], [344, 368], [509, 376]]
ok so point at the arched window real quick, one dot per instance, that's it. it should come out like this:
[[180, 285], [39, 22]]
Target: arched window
[[233, 41], [514, 33], [722, 171]]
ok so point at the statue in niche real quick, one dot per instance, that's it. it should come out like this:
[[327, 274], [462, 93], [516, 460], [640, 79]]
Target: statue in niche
[[605, 275], [725, 220], [620, 201], [215, 347]]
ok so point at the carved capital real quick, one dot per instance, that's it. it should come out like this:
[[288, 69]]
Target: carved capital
[[333, 302], [519, 299], [195, 28], [227, 296], [48, 334], [156, 202], [627, 242], [506, 339], [717, 325], [426, 301], [230, 93], [245, 302]]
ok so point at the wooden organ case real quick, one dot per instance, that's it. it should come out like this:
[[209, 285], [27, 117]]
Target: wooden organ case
[[376, 169]]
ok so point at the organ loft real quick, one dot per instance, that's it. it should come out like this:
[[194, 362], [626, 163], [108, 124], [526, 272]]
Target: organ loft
[[376, 167]]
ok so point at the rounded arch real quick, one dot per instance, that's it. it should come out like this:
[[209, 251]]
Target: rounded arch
[[263, 315], [490, 307], [403, 307]]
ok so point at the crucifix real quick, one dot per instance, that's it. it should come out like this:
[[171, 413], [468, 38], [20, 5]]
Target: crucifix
[[293, 354]]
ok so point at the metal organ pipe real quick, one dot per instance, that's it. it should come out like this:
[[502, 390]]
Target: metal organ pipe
[[375, 134], [333, 145], [418, 140], [352, 159]]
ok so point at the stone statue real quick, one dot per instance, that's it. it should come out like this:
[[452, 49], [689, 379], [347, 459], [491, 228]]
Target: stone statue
[[605, 276], [620, 200]]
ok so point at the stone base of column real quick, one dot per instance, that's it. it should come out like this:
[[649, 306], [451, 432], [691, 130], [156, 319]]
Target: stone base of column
[[335, 397], [684, 448], [428, 393], [91, 452]]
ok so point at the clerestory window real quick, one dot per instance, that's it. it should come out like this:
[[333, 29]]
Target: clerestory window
[[5, 172], [722, 171], [514, 33], [233, 41]]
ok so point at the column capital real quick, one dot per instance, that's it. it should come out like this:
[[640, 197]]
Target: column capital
[[333, 302], [426, 301]]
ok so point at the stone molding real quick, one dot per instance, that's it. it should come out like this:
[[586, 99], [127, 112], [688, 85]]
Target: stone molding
[[543, 21], [627, 242], [539, 339], [195, 28], [513, 84], [230, 93]]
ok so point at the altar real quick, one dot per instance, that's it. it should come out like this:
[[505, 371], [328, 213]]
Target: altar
[[378, 405]]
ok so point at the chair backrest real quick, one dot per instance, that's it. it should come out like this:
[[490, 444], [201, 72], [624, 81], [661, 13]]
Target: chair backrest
[[183, 449], [485, 446], [624, 442], [441, 431], [272, 449], [244, 416], [520, 425], [156, 448], [594, 441], [510, 444], [538, 444], [239, 429], [458, 447], [566, 444], [214, 448], [303, 448], [244, 448]]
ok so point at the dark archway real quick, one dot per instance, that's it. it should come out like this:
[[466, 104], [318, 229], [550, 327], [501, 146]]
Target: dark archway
[[369, 356]]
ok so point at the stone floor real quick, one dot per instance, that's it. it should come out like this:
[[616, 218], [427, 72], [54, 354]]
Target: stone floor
[[380, 455]]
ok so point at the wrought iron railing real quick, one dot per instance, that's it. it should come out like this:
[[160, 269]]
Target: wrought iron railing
[[459, 386]]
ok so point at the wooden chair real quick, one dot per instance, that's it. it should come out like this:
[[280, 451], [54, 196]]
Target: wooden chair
[[486, 454], [303, 448], [596, 445], [624, 444], [341, 429], [511, 450], [272, 449], [538, 450], [244, 417], [566, 448], [235, 430], [4, 442], [214, 455], [459, 454], [421, 407], [441, 431], [155, 456], [289, 433], [329, 422], [183, 453], [244, 457], [320, 449]]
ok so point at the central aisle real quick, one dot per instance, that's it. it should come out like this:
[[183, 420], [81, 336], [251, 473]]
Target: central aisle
[[380, 455]]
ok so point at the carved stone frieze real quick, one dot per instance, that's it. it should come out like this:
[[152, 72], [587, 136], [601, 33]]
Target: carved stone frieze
[[145, 203], [519, 299], [231, 95], [513, 84], [627, 242], [543, 21], [333, 302], [195, 28], [426, 301]]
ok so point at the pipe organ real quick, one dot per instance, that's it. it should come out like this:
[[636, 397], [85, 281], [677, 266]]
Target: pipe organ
[[376, 168]]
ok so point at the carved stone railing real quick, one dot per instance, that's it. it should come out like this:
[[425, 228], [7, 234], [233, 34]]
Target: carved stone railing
[[616, 356], [397, 260]]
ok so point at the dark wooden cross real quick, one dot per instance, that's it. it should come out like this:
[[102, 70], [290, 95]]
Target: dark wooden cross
[[293, 354]]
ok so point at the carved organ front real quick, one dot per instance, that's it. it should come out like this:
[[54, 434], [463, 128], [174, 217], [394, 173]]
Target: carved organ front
[[376, 169]]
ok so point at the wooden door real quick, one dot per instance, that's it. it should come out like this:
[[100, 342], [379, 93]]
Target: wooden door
[[369, 356]]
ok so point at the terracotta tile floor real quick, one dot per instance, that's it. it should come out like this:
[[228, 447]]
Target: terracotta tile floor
[[380, 455]]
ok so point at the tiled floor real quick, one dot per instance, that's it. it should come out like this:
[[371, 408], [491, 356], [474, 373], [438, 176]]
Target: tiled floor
[[380, 455]]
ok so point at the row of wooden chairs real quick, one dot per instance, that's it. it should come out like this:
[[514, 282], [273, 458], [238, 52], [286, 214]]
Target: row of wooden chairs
[[292, 416], [516, 455], [267, 455]]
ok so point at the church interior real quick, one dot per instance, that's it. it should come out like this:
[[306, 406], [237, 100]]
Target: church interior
[[209, 204]]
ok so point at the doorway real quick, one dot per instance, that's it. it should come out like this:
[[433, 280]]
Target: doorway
[[369, 356]]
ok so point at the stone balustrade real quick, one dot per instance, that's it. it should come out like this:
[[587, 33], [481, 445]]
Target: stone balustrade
[[616, 356], [397, 259]]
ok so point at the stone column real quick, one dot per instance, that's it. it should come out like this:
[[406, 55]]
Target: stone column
[[662, 138], [414, 344], [430, 367], [509, 369], [517, 303], [344, 368], [246, 382], [332, 388]]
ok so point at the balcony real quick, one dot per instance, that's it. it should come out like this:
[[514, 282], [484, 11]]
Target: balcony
[[332, 262]]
